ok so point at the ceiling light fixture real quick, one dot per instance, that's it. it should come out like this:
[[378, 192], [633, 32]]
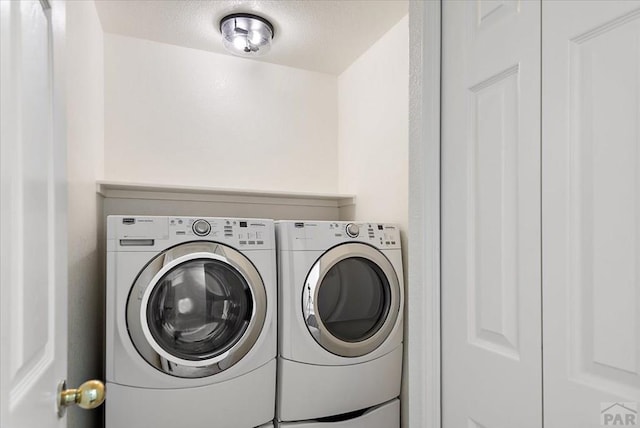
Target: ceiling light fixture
[[246, 35]]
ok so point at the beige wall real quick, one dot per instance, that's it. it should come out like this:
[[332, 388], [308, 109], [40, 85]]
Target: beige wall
[[183, 116], [373, 126], [85, 101]]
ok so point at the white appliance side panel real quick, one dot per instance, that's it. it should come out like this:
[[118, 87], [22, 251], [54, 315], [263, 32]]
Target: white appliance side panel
[[385, 416], [110, 318], [308, 391], [245, 402]]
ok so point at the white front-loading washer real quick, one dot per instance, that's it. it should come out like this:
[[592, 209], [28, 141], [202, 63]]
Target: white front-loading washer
[[190, 322], [340, 321]]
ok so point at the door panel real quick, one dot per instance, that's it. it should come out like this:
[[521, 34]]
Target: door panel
[[32, 224], [491, 334], [591, 209], [491, 214]]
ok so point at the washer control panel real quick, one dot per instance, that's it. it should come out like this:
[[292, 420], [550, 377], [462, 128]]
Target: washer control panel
[[247, 233], [150, 231]]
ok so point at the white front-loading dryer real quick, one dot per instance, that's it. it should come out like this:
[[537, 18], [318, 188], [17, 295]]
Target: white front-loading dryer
[[191, 322], [340, 320]]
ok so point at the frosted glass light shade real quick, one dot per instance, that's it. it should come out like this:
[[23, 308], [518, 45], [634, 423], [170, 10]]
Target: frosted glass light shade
[[246, 35]]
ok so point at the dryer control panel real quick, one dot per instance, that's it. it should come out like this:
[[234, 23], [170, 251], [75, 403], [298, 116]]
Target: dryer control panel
[[148, 231], [314, 235]]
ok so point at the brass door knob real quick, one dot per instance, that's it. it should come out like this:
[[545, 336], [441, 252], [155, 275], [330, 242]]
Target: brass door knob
[[88, 396]]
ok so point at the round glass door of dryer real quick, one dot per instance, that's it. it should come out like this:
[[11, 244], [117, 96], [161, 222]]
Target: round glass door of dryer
[[351, 299], [196, 309]]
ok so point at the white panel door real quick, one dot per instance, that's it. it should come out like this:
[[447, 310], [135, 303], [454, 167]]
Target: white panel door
[[491, 290], [591, 213], [33, 267]]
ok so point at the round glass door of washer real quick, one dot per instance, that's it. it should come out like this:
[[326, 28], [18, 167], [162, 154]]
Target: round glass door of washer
[[194, 313]]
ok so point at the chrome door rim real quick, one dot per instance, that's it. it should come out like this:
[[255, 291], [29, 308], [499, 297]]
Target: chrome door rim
[[147, 281], [315, 277]]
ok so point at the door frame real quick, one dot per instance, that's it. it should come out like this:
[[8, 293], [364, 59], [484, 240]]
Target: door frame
[[422, 390]]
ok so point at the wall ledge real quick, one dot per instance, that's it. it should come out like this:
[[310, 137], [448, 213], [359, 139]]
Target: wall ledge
[[170, 192]]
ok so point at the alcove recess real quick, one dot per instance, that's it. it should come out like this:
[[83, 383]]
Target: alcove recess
[[127, 198]]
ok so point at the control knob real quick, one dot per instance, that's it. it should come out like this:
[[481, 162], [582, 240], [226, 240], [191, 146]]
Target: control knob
[[353, 230], [201, 227]]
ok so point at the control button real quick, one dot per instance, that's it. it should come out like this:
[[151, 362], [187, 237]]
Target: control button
[[353, 230], [201, 227], [260, 242], [252, 242], [243, 242]]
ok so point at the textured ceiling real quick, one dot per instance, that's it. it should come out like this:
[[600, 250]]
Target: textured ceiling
[[320, 35]]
